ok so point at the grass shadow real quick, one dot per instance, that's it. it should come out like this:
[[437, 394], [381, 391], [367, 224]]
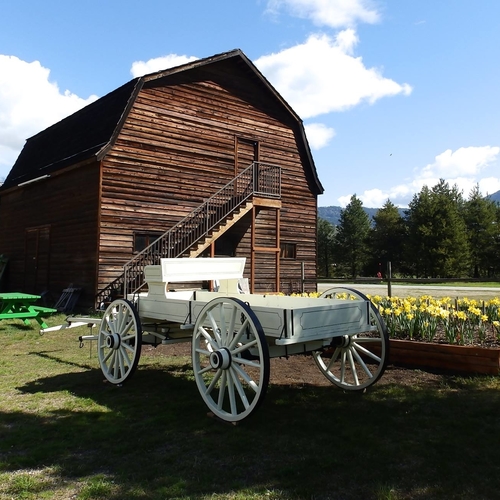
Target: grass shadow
[[151, 438]]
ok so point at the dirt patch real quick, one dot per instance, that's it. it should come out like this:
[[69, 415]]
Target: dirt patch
[[302, 370]]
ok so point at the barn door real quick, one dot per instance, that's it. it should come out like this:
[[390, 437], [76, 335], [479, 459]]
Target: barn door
[[37, 256], [247, 151]]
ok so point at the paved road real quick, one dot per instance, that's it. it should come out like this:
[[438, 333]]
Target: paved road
[[479, 293]]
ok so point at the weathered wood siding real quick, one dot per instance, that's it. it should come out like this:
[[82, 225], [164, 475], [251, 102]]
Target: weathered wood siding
[[176, 149], [63, 211]]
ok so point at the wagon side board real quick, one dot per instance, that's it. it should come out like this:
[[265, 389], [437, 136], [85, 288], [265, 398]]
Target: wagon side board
[[292, 320]]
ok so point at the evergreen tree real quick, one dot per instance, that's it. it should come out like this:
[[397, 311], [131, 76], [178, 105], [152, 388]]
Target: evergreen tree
[[495, 264], [482, 229], [437, 239], [386, 239], [326, 235], [351, 237]]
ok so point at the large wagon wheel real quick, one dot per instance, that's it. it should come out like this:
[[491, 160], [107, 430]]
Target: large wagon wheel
[[119, 341], [354, 362], [230, 358]]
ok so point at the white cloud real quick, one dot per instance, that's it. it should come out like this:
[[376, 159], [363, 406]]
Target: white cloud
[[331, 13], [140, 68], [318, 135], [321, 75], [465, 167], [488, 185], [464, 161], [29, 103]]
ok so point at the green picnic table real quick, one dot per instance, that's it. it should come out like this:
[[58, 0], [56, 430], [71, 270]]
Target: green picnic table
[[17, 305]]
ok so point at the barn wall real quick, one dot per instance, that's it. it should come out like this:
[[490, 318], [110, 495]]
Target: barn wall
[[176, 149], [62, 212]]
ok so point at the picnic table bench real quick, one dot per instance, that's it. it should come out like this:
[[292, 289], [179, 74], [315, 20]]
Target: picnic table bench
[[17, 305]]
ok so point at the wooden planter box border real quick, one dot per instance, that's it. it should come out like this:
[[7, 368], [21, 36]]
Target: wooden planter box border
[[465, 359]]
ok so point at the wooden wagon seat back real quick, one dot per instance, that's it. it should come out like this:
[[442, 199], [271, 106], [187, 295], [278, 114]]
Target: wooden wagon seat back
[[225, 272]]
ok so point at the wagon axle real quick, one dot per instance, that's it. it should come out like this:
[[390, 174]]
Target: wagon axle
[[342, 341]]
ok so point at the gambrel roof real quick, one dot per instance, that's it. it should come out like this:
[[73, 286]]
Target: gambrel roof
[[89, 133]]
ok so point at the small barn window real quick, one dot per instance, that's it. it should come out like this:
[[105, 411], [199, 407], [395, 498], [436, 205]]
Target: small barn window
[[288, 250], [142, 240]]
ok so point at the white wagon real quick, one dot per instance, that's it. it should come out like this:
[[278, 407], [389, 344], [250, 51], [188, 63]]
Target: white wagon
[[234, 334]]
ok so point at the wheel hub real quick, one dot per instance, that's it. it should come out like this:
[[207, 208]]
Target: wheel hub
[[113, 341], [220, 359]]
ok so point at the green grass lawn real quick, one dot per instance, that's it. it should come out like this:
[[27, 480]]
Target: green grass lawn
[[65, 434]]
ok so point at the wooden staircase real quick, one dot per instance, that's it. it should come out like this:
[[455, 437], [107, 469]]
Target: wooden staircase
[[196, 232], [217, 232]]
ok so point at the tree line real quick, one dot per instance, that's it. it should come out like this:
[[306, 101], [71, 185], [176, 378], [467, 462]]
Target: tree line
[[440, 235]]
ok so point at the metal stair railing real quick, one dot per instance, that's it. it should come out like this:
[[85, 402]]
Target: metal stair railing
[[261, 179]]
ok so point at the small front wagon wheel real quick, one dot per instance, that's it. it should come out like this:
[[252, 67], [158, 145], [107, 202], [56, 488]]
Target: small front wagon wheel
[[230, 358], [119, 341], [354, 362]]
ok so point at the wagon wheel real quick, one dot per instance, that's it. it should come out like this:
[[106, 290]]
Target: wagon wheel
[[119, 341], [230, 358], [354, 362]]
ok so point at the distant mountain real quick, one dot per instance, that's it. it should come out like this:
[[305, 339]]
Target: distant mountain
[[332, 214], [494, 196]]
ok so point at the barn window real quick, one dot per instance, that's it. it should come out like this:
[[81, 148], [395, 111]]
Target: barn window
[[142, 240], [288, 251]]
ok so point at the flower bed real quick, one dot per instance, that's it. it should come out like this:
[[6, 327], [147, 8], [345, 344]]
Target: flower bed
[[451, 321]]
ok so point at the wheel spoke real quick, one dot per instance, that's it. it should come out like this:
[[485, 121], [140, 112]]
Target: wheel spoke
[[359, 359], [368, 340], [333, 359], [204, 370], [214, 381], [239, 388], [215, 328], [239, 334], [121, 319], [208, 338], [111, 363], [127, 347], [342, 363], [367, 352], [121, 364], [124, 354], [353, 366], [244, 347], [247, 362], [222, 390], [205, 352], [223, 327], [231, 327], [251, 383], [230, 388]]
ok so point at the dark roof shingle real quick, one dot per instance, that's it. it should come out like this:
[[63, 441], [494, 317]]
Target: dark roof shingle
[[73, 139]]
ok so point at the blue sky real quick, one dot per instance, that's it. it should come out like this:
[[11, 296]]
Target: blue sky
[[394, 94]]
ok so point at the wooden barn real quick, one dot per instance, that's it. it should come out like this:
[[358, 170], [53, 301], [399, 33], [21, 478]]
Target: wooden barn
[[203, 159]]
